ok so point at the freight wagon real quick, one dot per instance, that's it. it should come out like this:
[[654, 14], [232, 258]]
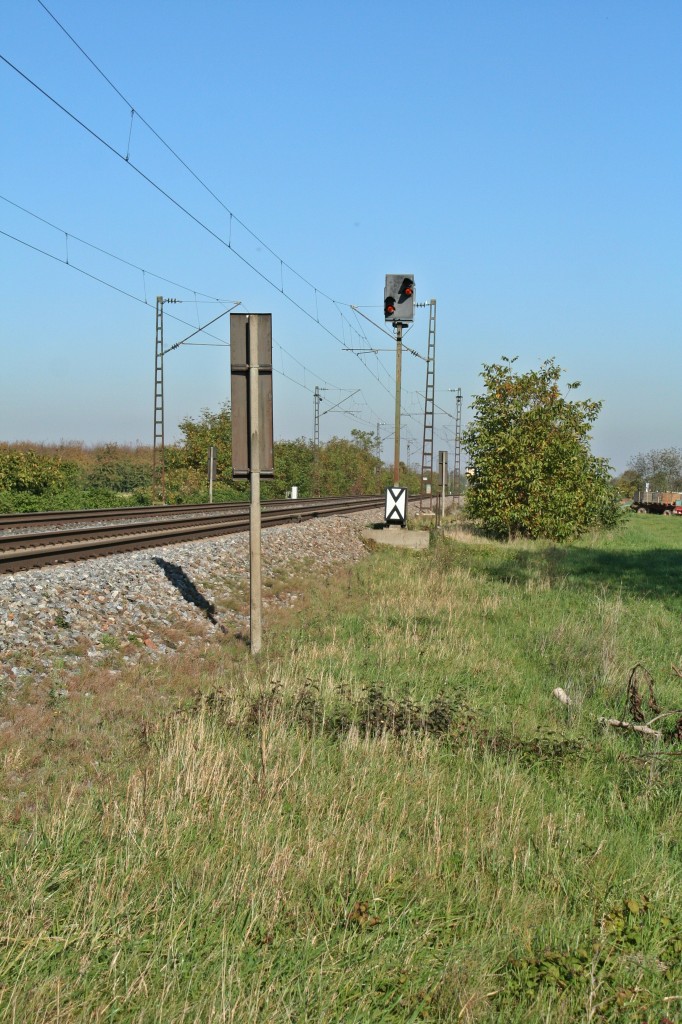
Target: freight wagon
[[665, 503]]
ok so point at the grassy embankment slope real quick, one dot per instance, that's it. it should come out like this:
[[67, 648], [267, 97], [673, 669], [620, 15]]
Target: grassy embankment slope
[[455, 846]]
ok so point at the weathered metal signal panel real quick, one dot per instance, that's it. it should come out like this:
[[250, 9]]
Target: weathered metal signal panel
[[399, 298], [251, 345]]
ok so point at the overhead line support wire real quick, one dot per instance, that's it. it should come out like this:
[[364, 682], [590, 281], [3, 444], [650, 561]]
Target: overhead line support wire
[[133, 112], [105, 252], [220, 202], [150, 181], [200, 223], [144, 273], [92, 277], [200, 329], [346, 399], [179, 205], [145, 301], [72, 266]]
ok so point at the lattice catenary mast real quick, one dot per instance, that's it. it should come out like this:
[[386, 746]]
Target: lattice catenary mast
[[457, 469], [158, 453], [317, 398], [429, 399]]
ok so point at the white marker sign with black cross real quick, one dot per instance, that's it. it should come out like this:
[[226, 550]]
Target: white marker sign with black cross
[[396, 506]]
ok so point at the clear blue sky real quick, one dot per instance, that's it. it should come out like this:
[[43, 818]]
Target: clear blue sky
[[523, 160]]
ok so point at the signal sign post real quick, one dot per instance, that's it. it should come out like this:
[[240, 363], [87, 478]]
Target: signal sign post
[[398, 310], [396, 506], [212, 471], [252, 433], [398, 389], [443, 474]]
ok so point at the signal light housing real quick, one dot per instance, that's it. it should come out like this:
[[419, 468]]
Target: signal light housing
[[401, 311]]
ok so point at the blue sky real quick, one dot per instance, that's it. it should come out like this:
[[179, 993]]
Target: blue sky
[[523, 160]]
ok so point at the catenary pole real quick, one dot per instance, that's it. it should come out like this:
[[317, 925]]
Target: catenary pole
[[398, 374], [255, 516]]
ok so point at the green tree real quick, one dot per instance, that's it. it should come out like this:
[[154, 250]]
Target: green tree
[[661, 468], [27, 471], [628, 483], [117, 472], [529, 445], [365, 440], [187, 460], [294, 463], [346, 467]]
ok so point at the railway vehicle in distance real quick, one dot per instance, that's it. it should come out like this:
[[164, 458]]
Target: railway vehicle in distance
[[667, 503]]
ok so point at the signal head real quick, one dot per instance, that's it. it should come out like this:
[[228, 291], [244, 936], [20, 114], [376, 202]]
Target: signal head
[[399, 298]]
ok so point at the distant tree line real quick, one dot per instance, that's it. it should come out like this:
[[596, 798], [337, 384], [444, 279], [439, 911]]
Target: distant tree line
[[661, 469], [528, 446], [339, 466], [72, 475], [36, 477]]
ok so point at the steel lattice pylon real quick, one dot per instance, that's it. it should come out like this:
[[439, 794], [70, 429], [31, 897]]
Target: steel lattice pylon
[[317, 398], [427, 445], [158, 456], [457, 469]]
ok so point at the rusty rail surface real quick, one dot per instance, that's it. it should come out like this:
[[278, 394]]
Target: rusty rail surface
[[21, 520], [168, 525], [27, 520]]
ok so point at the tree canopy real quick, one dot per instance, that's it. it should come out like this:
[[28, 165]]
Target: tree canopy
[[660, 468], [336, 467], [534, 474]]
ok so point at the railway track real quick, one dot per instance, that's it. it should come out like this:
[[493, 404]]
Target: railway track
[[28, 520], [154, 526]]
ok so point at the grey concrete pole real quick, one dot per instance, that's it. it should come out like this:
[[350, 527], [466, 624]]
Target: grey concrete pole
[[398, 375], [255, 517]]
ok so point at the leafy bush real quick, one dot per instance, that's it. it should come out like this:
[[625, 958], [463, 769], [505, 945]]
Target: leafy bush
[[67, 498], [533, 472], [117, 472], [27, 472]]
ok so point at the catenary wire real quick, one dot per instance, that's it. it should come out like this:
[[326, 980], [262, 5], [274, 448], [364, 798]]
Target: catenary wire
[[188, 213], [135, 113], [149, 305], [105, 252], [144, 272], [227, 244]]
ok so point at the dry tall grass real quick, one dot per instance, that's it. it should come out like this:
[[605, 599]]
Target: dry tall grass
[[387, 818]]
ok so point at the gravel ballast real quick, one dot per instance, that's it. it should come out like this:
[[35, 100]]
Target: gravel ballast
[[151, 602]]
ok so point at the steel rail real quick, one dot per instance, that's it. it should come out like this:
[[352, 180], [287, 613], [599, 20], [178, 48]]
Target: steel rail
[[46, 537], [20, 520], [26, 551]]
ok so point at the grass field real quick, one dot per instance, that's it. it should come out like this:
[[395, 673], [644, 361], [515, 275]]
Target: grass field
[[387, 817]]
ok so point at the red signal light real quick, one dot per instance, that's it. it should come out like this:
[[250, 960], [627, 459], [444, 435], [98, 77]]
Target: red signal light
[[399, 299]]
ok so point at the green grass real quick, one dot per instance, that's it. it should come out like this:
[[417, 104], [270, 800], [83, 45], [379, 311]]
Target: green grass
[[386, 818]]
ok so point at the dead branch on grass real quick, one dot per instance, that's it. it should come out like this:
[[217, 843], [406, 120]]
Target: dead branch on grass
[[644, 730], [634, 701], [633, 695]]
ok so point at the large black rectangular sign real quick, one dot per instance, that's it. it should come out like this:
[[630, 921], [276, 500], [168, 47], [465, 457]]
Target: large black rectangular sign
[[251, 344]]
